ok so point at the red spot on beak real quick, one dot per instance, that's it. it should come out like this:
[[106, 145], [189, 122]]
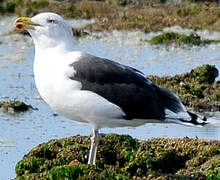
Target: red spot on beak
[[20, 26]]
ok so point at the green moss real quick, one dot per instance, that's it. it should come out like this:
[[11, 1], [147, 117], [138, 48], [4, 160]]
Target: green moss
[[196, 92], [119, 157], [171, 37], [20, 167], [168, 161], [128, 155], [112, 151], [30, 165], [141, 163], [35, 164], [213, 170], [207, 74], [213, 176], [66, 172], [68, 142], [164, 38], [46, 152]]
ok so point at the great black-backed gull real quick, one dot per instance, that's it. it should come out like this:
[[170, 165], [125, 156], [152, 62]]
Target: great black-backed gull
[[95, 90]]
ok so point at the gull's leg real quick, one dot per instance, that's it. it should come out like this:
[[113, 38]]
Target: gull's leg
[[94, 145]]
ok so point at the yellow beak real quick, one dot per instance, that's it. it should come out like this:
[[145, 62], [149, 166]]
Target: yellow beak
[[22, 23]]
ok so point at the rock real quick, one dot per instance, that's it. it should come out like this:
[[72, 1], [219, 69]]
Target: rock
[[15, 106], [196, 89], [171, 37], [122, 157]]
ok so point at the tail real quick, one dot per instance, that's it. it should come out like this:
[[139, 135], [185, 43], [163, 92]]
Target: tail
[[186, 118], [200, 121], [195, 119], [176, 112]]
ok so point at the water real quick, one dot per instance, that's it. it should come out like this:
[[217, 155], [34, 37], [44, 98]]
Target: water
[[21, 132]]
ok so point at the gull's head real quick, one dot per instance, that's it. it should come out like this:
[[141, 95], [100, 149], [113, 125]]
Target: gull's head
[[46, 29]]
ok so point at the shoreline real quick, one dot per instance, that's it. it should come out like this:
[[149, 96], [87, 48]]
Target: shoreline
[[125, 14]]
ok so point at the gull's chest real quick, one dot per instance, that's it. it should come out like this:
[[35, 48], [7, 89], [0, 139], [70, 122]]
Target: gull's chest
[[52, 79], [48, 73]]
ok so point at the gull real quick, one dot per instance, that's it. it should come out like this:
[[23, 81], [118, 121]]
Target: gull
[[95, 90]]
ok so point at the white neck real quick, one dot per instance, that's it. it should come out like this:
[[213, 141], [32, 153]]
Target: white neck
[[42, 43]]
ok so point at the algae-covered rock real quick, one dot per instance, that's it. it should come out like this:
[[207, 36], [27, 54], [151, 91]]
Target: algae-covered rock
[[197, 89], [171, 37], [15, 106], [122, 157]]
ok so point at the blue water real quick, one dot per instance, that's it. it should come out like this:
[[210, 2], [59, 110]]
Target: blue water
[[21, 132]]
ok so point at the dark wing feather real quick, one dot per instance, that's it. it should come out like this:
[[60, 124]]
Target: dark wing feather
[[99, 70], [121, 85]]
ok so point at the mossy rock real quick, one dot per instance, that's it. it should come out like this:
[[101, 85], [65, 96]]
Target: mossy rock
[[121, 157], [16, 106], [171, 37], [196, 89]]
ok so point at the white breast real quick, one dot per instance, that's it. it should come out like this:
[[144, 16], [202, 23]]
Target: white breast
[[65, 95]]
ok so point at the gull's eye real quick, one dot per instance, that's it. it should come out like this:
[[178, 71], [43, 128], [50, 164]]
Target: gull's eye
[[51, 21]]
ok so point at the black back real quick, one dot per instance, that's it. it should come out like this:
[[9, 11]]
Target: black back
[[123, 86]]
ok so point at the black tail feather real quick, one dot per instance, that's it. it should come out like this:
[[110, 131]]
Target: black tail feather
[[196, 120], [173, 103]]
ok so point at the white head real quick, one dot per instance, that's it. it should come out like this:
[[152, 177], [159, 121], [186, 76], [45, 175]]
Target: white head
[[47, 29]]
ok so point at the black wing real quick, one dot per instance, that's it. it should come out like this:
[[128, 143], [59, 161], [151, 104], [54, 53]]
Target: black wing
[[121, 85]]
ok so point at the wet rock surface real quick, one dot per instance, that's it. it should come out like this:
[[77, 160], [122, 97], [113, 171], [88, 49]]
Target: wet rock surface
[[14, 106], [122, 157], [196, 89]]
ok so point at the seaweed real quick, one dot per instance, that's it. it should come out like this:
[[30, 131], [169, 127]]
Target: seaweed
[[122, 157]]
